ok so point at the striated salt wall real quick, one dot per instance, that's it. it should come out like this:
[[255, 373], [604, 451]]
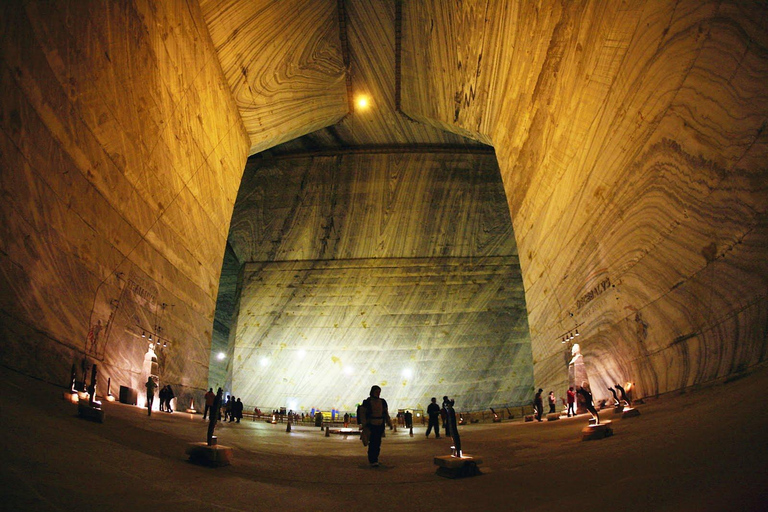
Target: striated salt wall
[[392, 269], [631, 140], [121, 153]]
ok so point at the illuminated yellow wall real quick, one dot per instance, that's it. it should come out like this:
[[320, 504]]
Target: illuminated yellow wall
[[392, 269], [121, 153], [631, 140]]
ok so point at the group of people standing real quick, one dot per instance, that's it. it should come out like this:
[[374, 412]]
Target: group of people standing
[[585, 398], [166, 395], [231, 410]]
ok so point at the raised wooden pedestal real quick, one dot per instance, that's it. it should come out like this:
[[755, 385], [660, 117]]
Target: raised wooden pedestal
[[458, 467], [553, 416], [90, 413], [345, 431], [630, 412], [599, 431], [215, 455]]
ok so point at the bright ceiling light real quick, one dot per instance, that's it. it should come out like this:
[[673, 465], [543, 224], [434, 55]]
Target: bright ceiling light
[[348, 370], [301, 353], [264, 361], [220, 356], [362, 102], [407, 373]]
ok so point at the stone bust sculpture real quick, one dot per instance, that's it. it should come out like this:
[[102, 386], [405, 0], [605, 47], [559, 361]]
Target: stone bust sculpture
[[576, 353]]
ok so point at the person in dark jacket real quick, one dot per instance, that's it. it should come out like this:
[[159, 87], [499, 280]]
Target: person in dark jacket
[[151, 386], [162, 396], [168, 397], [433, 411], [375, 415], [238, 406], [538, 404], [231, 408]]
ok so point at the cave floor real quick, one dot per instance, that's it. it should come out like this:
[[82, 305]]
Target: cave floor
[[702, 450]]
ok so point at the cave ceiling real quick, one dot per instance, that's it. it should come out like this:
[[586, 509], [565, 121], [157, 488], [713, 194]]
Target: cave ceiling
[[345, 51]]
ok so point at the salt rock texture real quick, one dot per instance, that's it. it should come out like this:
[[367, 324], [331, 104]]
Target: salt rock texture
[[630, 138], [122, 152], [284, 64], [395, 269]]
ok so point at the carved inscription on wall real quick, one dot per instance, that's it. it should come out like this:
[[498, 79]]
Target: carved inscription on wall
[[592, 294]]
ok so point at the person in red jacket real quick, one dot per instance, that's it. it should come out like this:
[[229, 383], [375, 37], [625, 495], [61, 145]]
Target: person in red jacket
[[571, 401], [209, 398]]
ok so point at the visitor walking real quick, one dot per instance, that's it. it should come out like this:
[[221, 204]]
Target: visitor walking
[[375, 415], [209, 398], [162, 396], [433, 411], [168, 397], [538, 404], [571, 401], [552, 402], [238, 407], [151, 386]]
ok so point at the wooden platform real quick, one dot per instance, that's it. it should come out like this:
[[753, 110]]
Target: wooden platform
[[449, 466], [630, 412], [84, 410], [345, 431], [600, 431], [215, 455], [554, 416]]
